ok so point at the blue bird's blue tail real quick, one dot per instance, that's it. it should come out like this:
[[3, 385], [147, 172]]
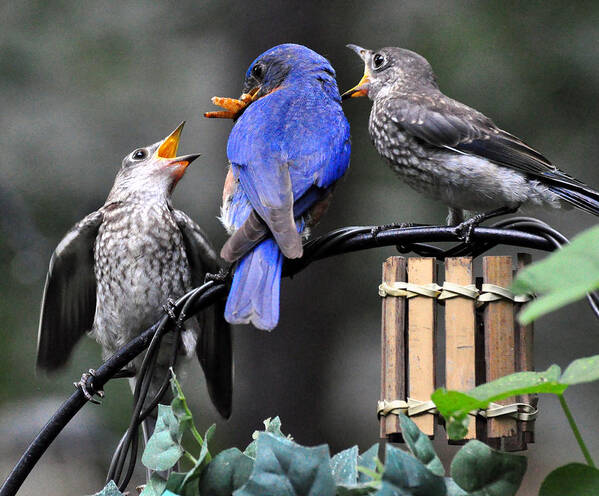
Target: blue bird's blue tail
[[254, 295]]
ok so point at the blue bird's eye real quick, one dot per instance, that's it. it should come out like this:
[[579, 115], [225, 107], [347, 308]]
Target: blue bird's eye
[[258, 71]]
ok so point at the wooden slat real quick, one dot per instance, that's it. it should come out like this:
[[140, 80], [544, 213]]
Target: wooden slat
[[499, 338], [460, 333], [524, 356], [393, 370], [421, 340]]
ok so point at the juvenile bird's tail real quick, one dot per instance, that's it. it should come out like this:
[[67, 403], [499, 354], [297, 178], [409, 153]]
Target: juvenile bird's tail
[[254, 295], [584, 198]]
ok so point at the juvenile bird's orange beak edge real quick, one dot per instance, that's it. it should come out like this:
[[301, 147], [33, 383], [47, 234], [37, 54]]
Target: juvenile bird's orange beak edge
[[361, 89], [168, 148]]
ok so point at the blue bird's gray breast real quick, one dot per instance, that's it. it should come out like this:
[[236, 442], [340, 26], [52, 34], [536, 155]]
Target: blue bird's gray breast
[[140, 262]]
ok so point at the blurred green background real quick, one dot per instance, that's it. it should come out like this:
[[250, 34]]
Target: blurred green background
[[83, 83]]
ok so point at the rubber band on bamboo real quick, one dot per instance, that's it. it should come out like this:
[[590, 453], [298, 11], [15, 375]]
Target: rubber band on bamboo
[[524, 412], [490, 292], [411, 407], [409, 290]]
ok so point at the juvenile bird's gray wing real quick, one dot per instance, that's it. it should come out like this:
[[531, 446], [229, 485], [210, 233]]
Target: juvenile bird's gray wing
[[69, 300], [214, 348], [443, 122]]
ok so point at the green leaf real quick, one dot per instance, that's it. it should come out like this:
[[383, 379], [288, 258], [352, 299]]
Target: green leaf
[[348, 471], [420, 445], [452, 488], [344, 466], [179, 405], [273, 426], [228, 471], [164, 447], [155, 486], [111, 489], [581, 370], [368, 461], [350, 481], [574, 479], [454, 406], [482, 471], [176, 486], [405, 475], [195, 472], [363, 489], [563, 277], [283, 467]]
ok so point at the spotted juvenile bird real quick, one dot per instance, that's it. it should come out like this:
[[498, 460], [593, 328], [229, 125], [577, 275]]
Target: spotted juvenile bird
[[451, 152], [288, 147], [114, 270]]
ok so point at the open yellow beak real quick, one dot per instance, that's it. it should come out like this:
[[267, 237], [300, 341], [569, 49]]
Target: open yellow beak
[[168, 148], [360, 89]]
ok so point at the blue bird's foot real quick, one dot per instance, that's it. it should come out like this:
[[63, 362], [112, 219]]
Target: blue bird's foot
[[221, 276], [88, 389]]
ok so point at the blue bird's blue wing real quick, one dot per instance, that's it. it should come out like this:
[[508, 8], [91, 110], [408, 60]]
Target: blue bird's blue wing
[[283, 146]]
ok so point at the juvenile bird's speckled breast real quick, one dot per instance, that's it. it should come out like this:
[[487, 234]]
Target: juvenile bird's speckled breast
[[461, 181], [140, 262], [406, 155]]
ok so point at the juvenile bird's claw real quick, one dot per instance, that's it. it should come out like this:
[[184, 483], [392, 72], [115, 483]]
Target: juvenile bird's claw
[[169, 308], [374, 232], [465, 229], [88, 391]]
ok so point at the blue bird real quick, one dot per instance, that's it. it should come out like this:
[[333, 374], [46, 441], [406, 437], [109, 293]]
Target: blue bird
[[289, 145]]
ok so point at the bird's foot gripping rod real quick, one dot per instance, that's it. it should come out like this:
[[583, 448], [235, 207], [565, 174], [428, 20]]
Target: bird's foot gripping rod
[[464, 229], [86, 384]]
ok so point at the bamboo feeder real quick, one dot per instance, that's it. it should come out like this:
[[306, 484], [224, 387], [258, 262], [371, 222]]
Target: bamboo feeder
[[480, 346], [460, 328], [393, 378], [421, 340], [500, 351], [524, 339]]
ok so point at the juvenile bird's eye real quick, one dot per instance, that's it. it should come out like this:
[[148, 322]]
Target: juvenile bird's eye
[[378, 61], [258, 71], [139, 154]]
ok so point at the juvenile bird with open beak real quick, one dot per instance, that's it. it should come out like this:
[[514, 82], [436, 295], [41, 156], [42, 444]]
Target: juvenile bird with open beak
[[451, 152], [114, 271]]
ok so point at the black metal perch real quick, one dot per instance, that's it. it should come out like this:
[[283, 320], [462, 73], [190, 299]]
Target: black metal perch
[[518, 231]]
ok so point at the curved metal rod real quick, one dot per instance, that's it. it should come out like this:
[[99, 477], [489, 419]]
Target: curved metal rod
[[77, 400], [343, 240]]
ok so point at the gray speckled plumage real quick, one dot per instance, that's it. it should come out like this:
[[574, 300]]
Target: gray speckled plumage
[[114, 271], [451, 152], [139, 262]]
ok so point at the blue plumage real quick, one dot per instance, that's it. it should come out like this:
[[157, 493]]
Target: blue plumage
[[287, 149]]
